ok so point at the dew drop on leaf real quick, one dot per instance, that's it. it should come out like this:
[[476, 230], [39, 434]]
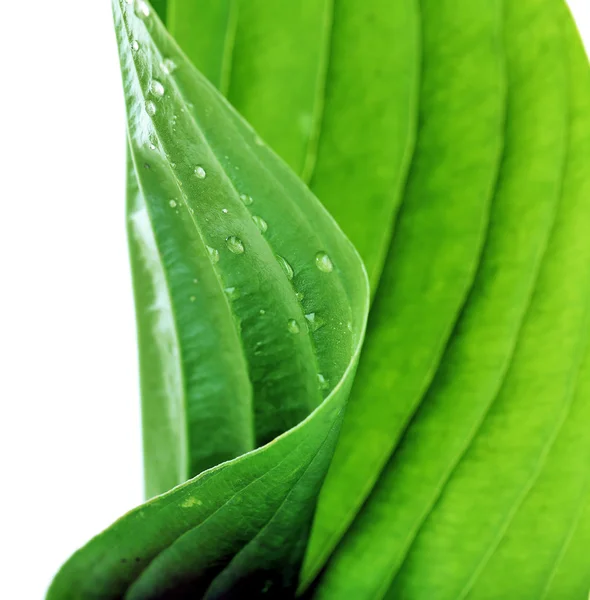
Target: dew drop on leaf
[[247, 200], [200, 173], [150, 108], [314, 322], [142, 10], [299, 296], [260, 223], [286, 267], [135, 45], [323, 262], [232, 293], [213, 254], [168, 66], [157, 88], [172, 203], [322, 381], [235, 244], [224, 211], [293, 326]]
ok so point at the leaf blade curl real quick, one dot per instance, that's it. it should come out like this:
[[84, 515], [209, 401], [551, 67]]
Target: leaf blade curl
[[268, 322]]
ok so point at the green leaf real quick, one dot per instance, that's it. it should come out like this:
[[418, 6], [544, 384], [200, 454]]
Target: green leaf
[[161, 7], [488, 484], [467, 261], [189, 20], [252, 306], [331, 86]]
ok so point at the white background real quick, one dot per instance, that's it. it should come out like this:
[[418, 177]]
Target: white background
[[70, 446]]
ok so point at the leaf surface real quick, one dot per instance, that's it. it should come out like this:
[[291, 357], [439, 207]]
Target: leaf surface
[[481, 494], [467, 261], [451, 142], [252, 304], [331, 86]]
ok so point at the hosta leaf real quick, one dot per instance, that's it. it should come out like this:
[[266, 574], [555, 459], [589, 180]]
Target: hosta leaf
[[455, 323], [434, 252], [486, 465], [477, 361], [255, 305], [331, 87]]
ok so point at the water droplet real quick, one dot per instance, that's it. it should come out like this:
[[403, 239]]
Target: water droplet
[[322, 381], [152, 146], [224, 211], [200, 173], [150, 108], [232, 293], [247, 200], [260, 223], [314, 322], [286, 267], [168, 66], [157, 88], [349, 326], [293, 326], [300, 296], [172, 204], [195, 281], [262, 311], [235, 244], [323, 262], [173, 165], [213, 254], [142, 9], [258, 141], [135, 45], [193, 298], [147, 166]]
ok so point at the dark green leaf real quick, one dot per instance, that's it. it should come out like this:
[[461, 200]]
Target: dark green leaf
[[252, 305], [332, 88]]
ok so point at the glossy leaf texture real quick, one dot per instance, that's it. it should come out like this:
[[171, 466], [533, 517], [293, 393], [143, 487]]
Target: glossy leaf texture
[[463, 449], [251, 306]]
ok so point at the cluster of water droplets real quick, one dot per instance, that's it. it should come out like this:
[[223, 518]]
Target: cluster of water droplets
[[234, 244]]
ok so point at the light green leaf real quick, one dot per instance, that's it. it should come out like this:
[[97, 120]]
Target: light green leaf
[[449, 323], [252, 306], [483, 493], [207, 29]]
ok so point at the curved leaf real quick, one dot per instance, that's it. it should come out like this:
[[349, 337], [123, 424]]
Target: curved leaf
[[477, 484], [458, 287], [258, 303], [332, 88]]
